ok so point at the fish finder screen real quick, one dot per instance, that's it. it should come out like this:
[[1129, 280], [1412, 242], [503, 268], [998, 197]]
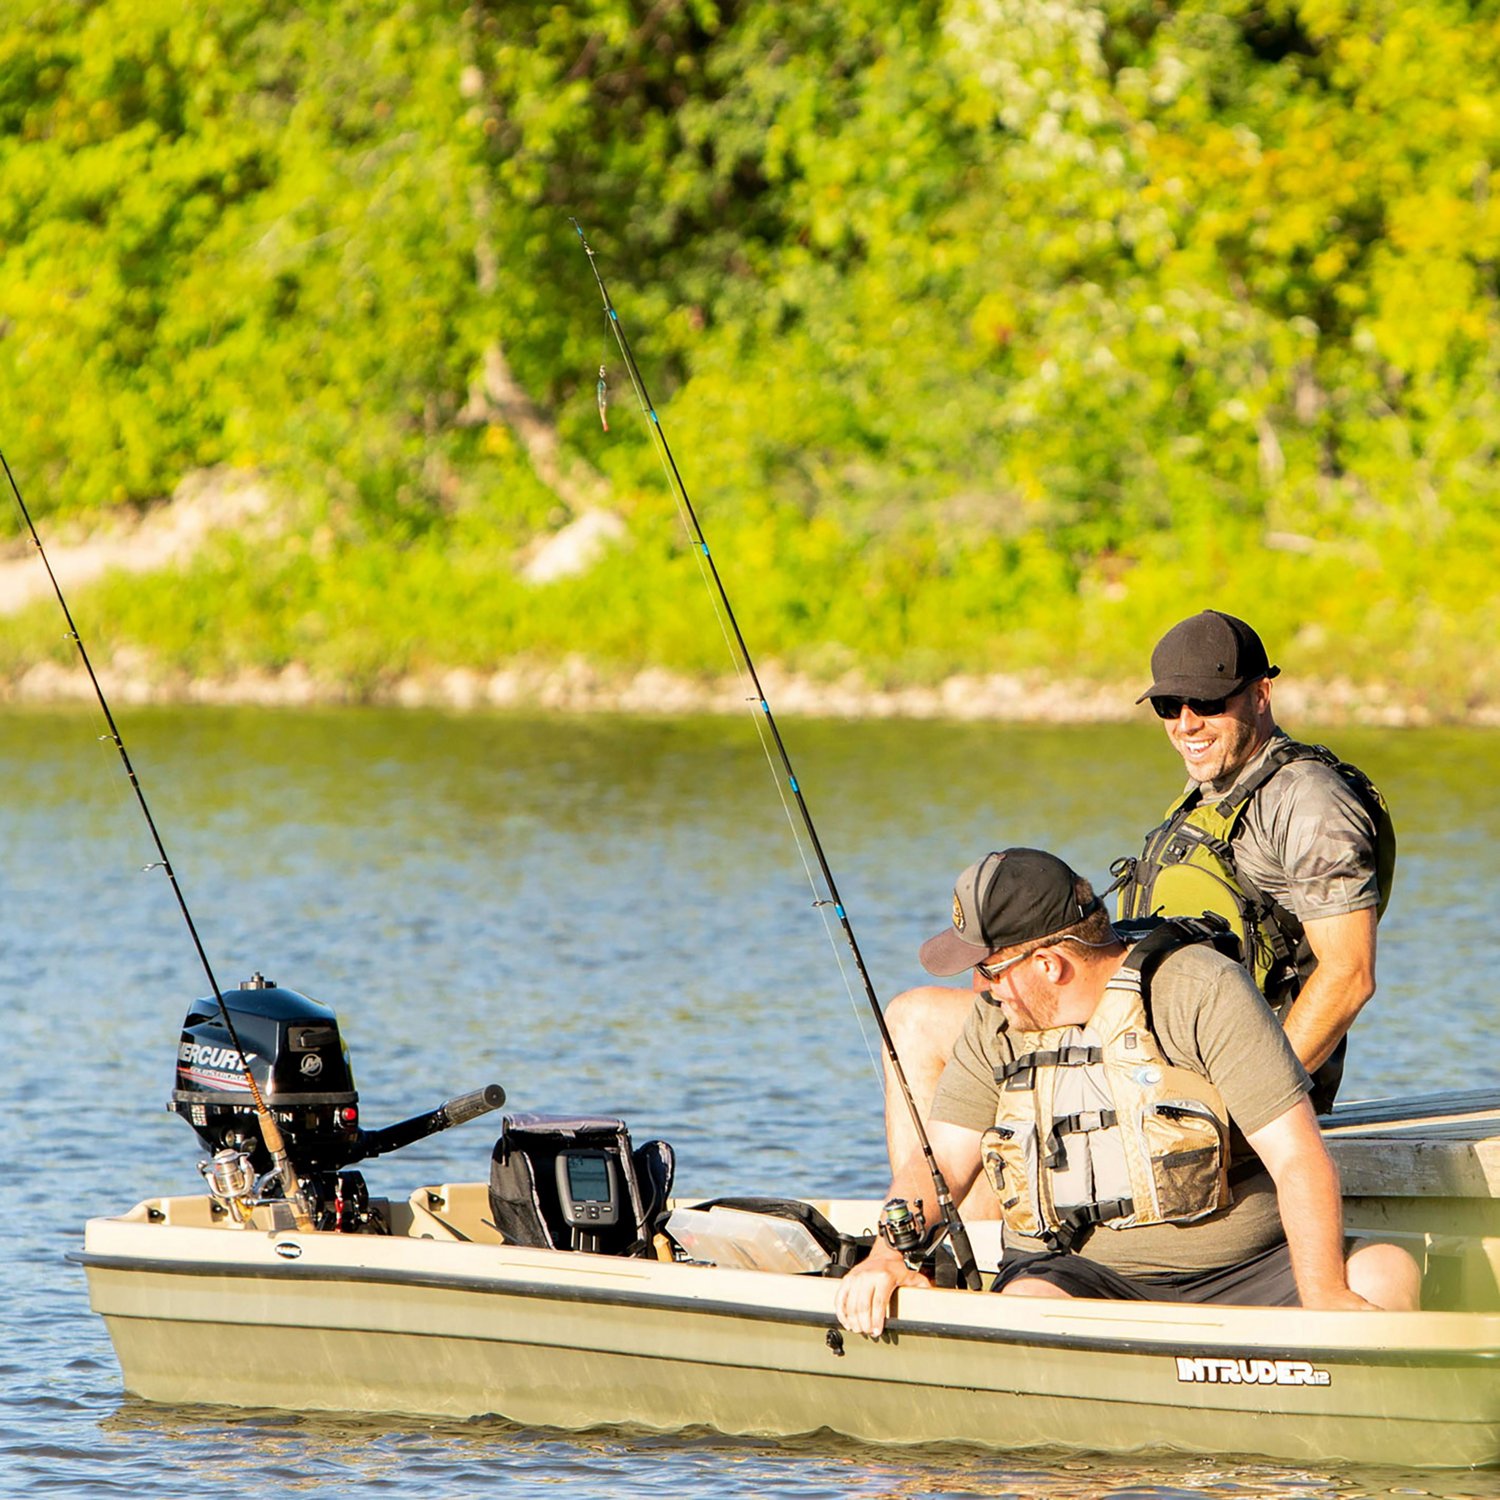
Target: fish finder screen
[[588, 1179], [588, 1189]]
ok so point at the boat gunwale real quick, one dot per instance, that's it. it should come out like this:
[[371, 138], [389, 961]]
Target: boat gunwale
[[1436, 1357]]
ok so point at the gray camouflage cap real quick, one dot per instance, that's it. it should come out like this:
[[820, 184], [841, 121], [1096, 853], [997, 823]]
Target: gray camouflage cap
[[1010, 896]]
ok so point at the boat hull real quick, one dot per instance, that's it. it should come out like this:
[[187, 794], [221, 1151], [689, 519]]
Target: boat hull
[[446, 1326]]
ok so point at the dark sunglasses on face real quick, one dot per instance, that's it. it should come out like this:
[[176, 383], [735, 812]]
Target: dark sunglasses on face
[[1204, 708], [992, 972]]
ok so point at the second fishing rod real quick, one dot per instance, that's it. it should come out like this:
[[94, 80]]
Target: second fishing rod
[[953, 1224], [270, 1131]]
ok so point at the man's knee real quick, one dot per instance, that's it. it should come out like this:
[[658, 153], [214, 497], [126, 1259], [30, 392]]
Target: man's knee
[[1385, 1276], [927, 1020], [1032, 1286]]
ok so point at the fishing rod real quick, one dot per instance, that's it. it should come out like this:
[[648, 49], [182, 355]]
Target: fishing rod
[[269, 1130], [959, 1236]]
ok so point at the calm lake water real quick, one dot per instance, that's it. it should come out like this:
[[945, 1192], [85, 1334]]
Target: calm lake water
[[603, 915]]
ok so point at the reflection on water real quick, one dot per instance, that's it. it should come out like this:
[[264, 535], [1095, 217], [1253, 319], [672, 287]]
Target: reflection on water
[[447, 1458], [599, 914]]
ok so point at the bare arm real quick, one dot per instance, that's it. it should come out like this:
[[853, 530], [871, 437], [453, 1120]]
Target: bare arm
[[1343, 980], [864, 1295], [1312, 1210]]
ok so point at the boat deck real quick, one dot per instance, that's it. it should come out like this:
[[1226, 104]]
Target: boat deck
[[1425, 1173]]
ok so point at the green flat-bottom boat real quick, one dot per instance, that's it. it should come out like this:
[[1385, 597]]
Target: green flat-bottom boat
[[437, 1316]]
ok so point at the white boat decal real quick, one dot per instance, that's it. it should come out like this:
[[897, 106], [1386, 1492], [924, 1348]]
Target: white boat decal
[[199, 1054], [1211, 1370]]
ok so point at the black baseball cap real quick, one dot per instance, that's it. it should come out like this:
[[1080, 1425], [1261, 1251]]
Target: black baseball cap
[[1010, 896], [1212, 655]]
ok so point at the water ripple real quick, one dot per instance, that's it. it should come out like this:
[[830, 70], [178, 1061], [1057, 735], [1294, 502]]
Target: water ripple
[[605, 916]]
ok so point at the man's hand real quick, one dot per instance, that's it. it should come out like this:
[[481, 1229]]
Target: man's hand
[[864, 1295], [1335, 1299]]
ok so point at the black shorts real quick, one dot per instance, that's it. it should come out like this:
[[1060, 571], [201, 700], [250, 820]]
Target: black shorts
[[1265, 1280]]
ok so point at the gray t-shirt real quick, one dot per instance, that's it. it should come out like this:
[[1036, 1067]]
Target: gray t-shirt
[[1208, 1016], [1305, 840]]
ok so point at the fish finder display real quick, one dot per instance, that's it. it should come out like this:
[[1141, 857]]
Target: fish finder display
[[589, 1188]]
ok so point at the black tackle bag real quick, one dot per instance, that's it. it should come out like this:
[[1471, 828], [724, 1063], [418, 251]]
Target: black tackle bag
[[526, 1202]]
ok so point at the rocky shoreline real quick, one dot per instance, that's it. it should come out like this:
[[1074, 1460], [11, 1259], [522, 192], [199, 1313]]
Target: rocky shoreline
[[210, 501], [577, 686]]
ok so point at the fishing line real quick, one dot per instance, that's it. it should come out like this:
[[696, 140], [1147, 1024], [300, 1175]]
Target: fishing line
[[270, 1131], [739, 653], [779, 782], [962, 1250], [738, 657]]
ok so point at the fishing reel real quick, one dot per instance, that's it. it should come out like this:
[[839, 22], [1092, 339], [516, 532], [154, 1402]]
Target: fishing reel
[[904, 1227], [232, 1183], [338, 1201]]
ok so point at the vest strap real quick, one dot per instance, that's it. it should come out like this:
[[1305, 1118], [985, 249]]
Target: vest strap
[[1020, 1072], [1078, 1124], [1078, 1223]]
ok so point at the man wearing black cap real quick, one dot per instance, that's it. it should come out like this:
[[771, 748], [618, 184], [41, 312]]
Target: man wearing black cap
[[1292, 845], [1150, 1151], [1286, 841]]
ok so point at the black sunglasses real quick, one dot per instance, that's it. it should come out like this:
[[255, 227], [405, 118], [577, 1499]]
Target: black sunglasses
[[992, 972], [1205, 708]]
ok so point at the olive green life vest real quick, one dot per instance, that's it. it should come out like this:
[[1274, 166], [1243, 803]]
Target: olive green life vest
[[1094, 1125], [1187, 866]]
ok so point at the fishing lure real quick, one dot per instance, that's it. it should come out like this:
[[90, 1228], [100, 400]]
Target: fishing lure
[[603, 395]]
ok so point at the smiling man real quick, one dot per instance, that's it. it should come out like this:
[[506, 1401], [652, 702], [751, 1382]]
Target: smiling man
[[1293, 846]]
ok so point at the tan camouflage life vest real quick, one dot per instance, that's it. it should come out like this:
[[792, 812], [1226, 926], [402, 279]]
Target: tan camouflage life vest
[[1093, 1124]]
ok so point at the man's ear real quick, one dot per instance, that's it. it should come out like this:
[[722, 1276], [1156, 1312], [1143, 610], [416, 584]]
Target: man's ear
[[1054, 964]]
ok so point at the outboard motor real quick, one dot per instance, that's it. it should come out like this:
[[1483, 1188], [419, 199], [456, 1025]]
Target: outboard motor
[[300, 1064], [294, 1050]]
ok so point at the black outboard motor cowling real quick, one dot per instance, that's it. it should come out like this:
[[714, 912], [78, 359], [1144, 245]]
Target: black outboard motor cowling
[[300, 1065], [298, 1059]]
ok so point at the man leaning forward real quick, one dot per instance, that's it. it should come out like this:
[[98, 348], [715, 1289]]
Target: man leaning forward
[[1138, 1110]]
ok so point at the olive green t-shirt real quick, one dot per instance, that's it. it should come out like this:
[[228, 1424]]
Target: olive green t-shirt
[[1209, 1017]]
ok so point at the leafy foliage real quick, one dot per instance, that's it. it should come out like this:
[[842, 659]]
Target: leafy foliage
[[988, 333]]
